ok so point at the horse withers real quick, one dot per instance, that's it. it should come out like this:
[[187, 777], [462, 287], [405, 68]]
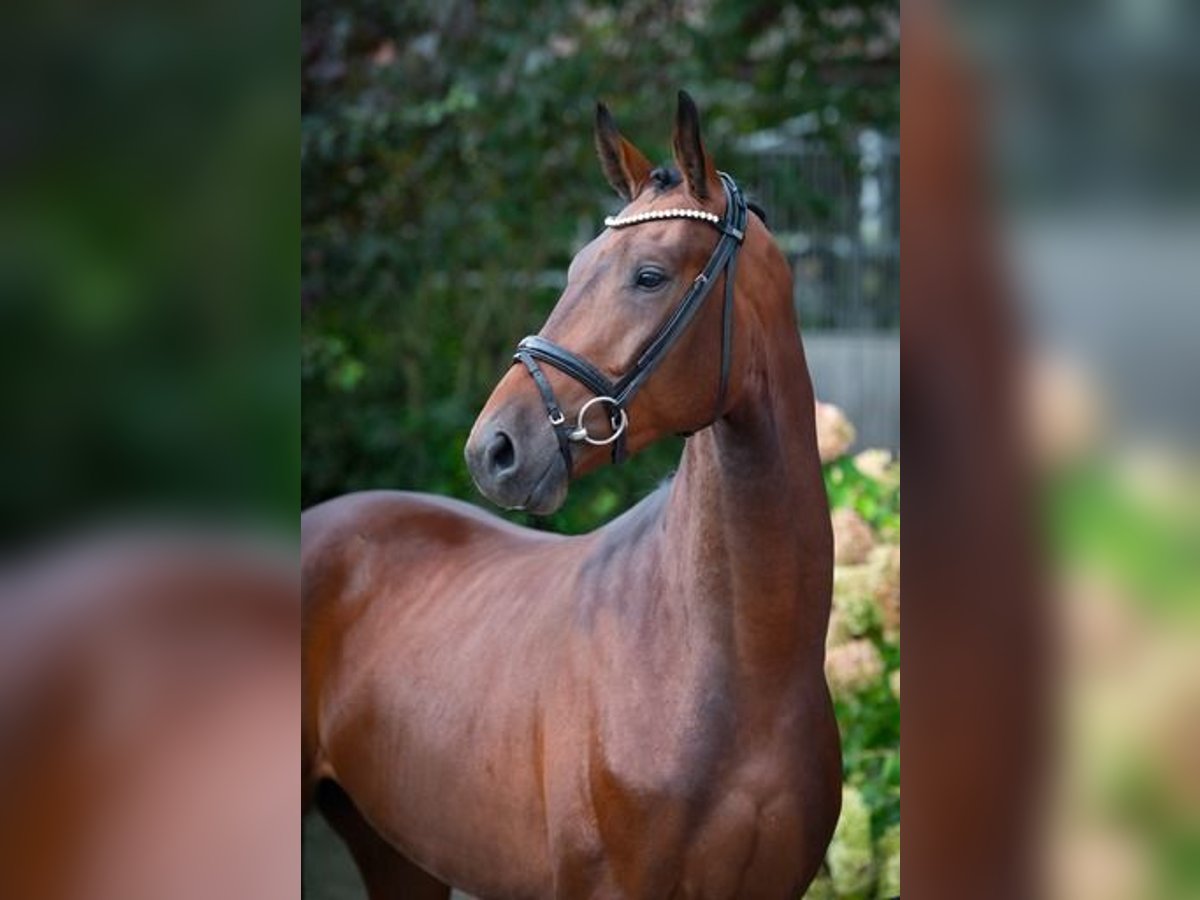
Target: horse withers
[[638, 712]]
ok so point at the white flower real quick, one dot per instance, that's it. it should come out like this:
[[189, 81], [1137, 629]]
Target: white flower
[[878, 465], [835, 434], [852, 537], [887, 851], [850, 857], [852, 667], [885, 566], [853, 601]]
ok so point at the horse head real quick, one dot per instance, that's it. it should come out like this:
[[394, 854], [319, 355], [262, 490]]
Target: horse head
[[650, 336]]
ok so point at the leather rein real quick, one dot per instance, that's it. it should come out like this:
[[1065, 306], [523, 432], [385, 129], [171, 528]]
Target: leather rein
[[616, 395]]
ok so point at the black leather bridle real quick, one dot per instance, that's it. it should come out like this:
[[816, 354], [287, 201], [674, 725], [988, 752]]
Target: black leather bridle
[[616, 395]]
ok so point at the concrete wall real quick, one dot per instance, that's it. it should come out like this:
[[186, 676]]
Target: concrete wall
[[860, 372]]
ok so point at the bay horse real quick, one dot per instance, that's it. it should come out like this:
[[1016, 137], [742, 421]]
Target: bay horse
[[637, 712]]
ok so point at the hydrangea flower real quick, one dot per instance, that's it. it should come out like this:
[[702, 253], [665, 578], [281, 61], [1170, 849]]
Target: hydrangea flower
[[887, 851], [853, 667], [853, 600], [851, 857], [835, 434], [852, 537]]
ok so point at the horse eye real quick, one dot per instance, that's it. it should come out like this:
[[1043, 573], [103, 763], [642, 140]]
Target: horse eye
[[650, 278]]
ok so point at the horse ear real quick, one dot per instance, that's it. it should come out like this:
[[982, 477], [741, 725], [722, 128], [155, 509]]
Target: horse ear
[[624, 165], [691, 157]]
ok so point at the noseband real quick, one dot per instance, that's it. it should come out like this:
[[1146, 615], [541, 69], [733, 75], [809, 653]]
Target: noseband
[[616, 395]]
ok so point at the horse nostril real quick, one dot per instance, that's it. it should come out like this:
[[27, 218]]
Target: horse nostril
[[501, 456]]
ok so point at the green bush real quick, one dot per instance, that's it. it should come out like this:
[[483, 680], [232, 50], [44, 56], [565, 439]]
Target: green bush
[[864, 858]]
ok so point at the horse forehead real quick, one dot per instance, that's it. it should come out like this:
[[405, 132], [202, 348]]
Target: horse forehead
[[617, 243]]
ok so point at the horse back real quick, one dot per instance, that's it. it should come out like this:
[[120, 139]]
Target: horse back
[[373, 557]]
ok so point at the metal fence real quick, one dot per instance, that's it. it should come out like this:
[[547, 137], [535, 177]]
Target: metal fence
[[837, 217]]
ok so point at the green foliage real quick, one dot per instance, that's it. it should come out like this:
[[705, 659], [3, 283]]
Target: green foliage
[[864, 859], [870, 726], [876, 500], [1151, 548], [448, 177]]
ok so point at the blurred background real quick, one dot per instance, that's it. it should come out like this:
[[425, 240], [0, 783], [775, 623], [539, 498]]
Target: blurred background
[[1093, 138], [149, 685], [146, 259], [1051, 321], [148, 276], [449, 176]]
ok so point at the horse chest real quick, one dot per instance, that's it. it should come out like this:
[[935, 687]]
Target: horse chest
[[738, 836], [670, 795]]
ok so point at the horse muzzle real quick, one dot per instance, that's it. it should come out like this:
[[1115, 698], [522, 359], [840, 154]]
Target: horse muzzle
[[516, 463]]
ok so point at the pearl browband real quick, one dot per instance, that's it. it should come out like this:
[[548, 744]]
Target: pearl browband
[[654, 214]]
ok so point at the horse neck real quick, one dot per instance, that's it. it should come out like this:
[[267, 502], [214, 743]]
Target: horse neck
[[747, 521]]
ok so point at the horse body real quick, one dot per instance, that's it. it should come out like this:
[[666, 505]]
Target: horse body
[[639, 712], [474, 666]]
